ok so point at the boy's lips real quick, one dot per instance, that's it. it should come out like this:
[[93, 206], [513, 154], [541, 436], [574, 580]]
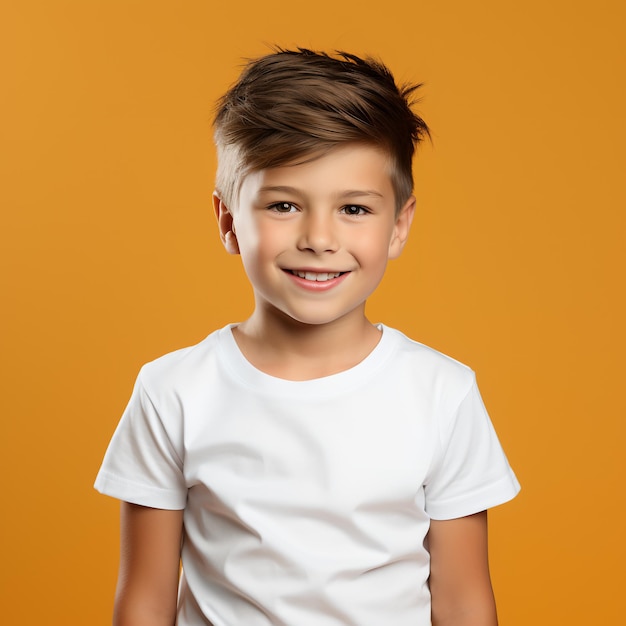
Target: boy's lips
[[316, 280], [316, 275]]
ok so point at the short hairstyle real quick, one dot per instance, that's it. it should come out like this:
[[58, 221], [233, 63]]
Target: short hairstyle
[[294, 105]]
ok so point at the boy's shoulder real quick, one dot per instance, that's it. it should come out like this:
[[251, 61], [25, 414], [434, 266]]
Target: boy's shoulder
[[183, 364], [430, 378], [426, 357]]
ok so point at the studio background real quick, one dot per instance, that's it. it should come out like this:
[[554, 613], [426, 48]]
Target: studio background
[[110, 257]]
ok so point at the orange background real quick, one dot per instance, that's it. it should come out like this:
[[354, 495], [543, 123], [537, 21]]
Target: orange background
[[110, 258]]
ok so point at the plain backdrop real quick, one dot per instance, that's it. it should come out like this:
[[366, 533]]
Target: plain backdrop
[[515, 266]]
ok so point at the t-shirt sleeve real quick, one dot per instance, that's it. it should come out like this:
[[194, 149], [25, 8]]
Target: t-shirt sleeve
[[471, 472], [143, 463]]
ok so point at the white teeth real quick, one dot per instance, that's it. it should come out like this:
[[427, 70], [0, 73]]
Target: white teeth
[[321, 277]]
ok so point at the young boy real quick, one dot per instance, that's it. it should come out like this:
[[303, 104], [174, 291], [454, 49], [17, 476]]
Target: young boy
[[310, 468]]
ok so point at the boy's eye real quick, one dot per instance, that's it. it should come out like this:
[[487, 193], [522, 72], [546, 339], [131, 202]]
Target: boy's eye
[[354, 209], [283, 207]]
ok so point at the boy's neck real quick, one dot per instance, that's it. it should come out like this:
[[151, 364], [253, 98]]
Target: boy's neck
[[288, 349]]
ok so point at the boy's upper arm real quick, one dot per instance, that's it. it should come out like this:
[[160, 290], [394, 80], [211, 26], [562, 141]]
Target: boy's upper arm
[[147, 587], [460, 584]]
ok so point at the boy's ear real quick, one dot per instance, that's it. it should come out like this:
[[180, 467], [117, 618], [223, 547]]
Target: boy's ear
[[226, 225], [402, 228]]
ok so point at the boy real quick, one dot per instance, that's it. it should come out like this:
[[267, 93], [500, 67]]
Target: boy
[[315, 468]]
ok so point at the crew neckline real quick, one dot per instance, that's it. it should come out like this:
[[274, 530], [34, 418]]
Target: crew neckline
[[255, 379]]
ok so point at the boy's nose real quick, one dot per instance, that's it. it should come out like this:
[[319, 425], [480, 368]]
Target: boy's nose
[[317, 234]]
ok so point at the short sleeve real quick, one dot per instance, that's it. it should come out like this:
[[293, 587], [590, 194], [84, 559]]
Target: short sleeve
[[143, 463], [471, 473]]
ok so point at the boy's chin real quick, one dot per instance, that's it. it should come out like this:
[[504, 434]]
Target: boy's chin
[[312, 320]]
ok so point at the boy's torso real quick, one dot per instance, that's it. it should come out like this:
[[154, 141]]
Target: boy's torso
[[306, 502], [304, 494]]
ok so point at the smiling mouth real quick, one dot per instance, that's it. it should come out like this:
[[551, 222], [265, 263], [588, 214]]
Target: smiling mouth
[[319, 277]]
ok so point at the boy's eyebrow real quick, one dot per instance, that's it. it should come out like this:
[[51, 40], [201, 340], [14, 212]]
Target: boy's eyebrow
[[355, 193], [350, 193]]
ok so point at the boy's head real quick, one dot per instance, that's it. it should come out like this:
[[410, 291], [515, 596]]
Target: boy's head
[[292, 106]]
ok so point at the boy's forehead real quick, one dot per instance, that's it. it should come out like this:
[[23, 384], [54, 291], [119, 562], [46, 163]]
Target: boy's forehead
[[348, 168]]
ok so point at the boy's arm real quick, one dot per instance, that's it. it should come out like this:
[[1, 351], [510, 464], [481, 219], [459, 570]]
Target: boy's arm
[[147, 584], [460, 584]]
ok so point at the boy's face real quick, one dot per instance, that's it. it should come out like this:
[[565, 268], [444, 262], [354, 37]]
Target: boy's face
[[315, 238]]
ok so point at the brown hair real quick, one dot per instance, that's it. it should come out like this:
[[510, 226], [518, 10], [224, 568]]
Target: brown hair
[[292, 105]]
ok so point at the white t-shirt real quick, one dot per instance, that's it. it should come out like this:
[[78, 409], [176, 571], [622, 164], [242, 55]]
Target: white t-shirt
[[307, 503]]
